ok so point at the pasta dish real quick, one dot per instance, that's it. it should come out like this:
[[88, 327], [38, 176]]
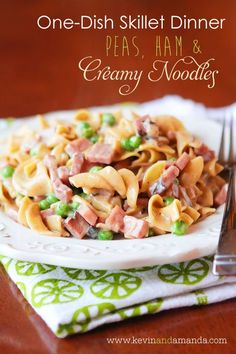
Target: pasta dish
[[105, 176]]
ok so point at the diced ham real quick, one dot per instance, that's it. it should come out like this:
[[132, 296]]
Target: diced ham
[[157, 187], [144, 126], [64, 174], [169, 176], [115, 220], [47, 212], [220, 197], [88, 214], [77, 162], [182, 161], [185, 196], [138, 123], [87, 166], [165, 181], [175, 190], [76, 225], [168, 164], [62, 191], [77, 146], [102, 153], [205, 152], [134, 227]]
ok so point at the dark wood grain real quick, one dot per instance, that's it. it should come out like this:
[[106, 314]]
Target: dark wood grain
[[38, 72]]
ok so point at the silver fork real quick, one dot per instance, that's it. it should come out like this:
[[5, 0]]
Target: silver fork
[[225, 258]]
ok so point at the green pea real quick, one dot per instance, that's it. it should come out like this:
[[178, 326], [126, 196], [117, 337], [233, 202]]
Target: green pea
[[74, 206], [87, 133], [95, 169], [135, 141], [105, 235], [7, 171], [83, 125], [51, 198], [44, 204], [94, 139], [85, 130], [125, 143], [179, 228], [168, 200], [108, 119], [172, 159], [62, 209]]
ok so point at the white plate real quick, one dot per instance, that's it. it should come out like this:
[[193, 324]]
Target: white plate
[[18, 242]]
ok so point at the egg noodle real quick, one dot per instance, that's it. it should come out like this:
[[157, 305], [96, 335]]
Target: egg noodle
[[104, 176]]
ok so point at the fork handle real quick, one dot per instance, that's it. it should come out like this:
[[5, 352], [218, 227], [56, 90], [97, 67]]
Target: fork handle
[[225, 258], [229, 218]]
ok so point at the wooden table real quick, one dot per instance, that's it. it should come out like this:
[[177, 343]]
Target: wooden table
[[39, 73]]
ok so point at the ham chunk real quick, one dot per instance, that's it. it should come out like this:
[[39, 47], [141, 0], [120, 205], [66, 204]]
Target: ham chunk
[[220, 197], [62, 191], [115, 220], [77, 162], [76, 225], [169, 176], [88, 214], [182, 161], [77, 146], [205, 152], [101, 153], [165, 181], [135, 228], [47, 212], [175, 190], [144, 126], [138, 123], [64, 174]]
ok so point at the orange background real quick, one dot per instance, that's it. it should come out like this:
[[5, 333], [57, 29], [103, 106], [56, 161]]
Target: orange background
[[39, 67]]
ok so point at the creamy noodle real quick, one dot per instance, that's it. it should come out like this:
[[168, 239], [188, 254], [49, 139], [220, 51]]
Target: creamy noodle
[[103, 176]]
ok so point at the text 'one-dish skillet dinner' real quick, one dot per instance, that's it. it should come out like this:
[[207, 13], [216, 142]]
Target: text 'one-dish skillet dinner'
[[104, 176]]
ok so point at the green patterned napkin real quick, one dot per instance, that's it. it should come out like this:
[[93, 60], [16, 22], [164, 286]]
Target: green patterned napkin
[[77, 300]]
